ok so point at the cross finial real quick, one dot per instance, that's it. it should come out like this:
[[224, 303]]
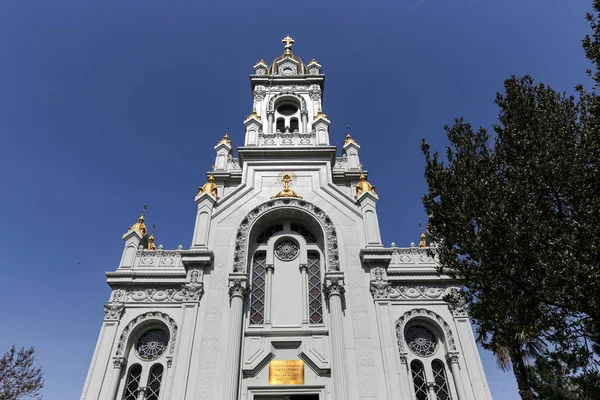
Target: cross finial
[[288, 41]]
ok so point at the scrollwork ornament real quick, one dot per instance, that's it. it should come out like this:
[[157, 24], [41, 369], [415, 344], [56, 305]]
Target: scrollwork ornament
[[334, 287], [192, 291], [452, 357], [113, 311], [238, 287]]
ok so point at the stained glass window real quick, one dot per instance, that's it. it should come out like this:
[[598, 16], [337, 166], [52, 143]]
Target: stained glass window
[[308, 236], [152, 344], [154, 379], [257, 295], [420, 385], [133, 382], [420, 340], [315, 305], [439, 376]]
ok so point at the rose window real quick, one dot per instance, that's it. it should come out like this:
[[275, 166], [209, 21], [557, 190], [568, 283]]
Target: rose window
[[152, 344], [420, 340], [286, 250]]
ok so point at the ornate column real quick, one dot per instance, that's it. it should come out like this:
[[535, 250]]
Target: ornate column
[[238, 286], [304, 117], [118, 364], [405, 380], [334, 288], [304, 277], [268, 292], [458, 382]]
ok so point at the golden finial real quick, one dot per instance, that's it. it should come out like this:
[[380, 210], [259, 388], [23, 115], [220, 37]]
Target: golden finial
[[253, 115], [210, 187], [225, 138], [140, 226], [286, 180], [349, 138], [363, 185], [288, 41], [320, 114], [151, 245], [423, 242]]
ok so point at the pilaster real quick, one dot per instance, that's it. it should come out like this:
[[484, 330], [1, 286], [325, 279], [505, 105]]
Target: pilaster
[[206, 203], [334, 289], [367, 202], [238, 287]]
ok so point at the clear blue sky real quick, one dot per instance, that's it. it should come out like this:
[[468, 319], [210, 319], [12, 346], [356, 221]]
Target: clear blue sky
[[105, 105]]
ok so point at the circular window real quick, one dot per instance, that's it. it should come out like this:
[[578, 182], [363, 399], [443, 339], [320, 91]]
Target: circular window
[[420, 340], [286, 250], [152, 344]]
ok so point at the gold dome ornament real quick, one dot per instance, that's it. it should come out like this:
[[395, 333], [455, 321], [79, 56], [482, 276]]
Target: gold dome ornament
[[151, 245], [225, 138], [209, 187], [286, 179], [423, 242], [140, 226], [363, 185], [321, 115], [349, 138], [253, 115]]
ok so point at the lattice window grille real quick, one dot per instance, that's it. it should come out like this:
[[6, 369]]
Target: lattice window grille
[[257, 295], [439, 376], [419, 383], [154, 380], [420, 340], [315, 303], [308, 235], [152, 344], [133, 382], [267, 233]]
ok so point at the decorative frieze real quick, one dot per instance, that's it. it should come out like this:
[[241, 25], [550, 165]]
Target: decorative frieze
[[383, 290]]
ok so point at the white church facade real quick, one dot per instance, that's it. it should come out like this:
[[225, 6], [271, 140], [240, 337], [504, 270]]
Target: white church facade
[[286, 291]]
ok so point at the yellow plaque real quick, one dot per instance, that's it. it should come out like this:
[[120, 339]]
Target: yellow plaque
[[286, 372]]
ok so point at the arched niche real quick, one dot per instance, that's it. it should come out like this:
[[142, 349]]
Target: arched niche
[[290, 96], [295, 209], [146, 320], [434, 321]]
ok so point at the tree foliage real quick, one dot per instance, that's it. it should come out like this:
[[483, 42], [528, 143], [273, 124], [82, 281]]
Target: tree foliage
[[18, 377], [516, 216]]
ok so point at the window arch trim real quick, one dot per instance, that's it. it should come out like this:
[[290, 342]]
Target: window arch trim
[[434, 319], [145, 319]]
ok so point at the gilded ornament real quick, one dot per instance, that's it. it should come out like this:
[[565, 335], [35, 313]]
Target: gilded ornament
[[288, 41], [209, 187], [286, 180], [253, 115], [321, 115], [364, 186], [225, 138], [349, 138], [151, 245], [140, 226]]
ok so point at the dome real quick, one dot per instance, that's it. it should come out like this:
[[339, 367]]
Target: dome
[[302, 69]]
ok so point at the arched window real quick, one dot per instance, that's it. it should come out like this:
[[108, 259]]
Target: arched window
[[294, 125], [419, 383], [133, 382], [315, 306], [280, 125], [154, 380], [439, 376], [257, 295]]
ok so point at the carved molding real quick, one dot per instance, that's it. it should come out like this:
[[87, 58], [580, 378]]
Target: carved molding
[[241, 243], [149, 316], [384, 290], [421, 312], [287, 91], [170, 295], [113, 311]]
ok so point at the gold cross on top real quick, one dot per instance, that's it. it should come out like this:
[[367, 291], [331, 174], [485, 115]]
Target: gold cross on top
[[288, 41]]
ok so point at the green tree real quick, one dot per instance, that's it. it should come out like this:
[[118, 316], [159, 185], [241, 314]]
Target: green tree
[[18, 376], [516, 216]]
